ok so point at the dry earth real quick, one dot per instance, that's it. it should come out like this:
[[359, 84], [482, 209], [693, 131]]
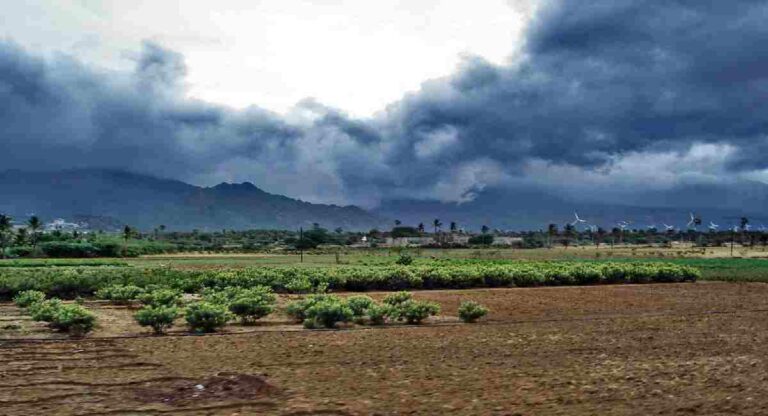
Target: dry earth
[[608, 350]]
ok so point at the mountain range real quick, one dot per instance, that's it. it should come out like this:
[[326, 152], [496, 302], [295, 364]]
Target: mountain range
[[110, 198], [146, 202]]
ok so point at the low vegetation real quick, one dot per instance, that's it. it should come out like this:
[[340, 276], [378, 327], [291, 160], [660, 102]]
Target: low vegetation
[[28, 297], [470, 311], [159, 318], [206, 317], [68, 283]]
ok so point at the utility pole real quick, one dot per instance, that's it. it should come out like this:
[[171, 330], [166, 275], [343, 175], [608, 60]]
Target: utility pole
[[733, 237], [301, 244]]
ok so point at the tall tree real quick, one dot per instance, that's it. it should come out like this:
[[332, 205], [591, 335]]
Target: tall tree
[[22, 235], [551, 233], [5, 233], [127, 233], [568, 233], [743, 222], [454, 227], [437, 224], [35, 225]]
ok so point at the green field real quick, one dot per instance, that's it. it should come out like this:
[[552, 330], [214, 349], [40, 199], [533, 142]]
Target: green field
[[751, 269]]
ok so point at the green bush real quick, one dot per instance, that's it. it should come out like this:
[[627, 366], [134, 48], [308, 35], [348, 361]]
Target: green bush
[[45, 311], [120, 294], [297, 310], [327, 313], [398, 298], [68, 249], [74, 319], [28, 297], [404, 260], [359, 304], [377, 314], [481, 240], [206, 317], [159, 318], [470, 311], [161, 297], [414, 312], [252, 304], [70, 282]]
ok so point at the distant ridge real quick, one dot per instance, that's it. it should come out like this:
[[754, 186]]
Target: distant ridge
[[147, 202]]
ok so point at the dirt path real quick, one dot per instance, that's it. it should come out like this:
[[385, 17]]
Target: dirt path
[[629, 350]]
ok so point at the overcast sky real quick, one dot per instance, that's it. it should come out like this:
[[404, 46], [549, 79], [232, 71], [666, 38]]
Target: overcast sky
[[351, 54], [352, 101]]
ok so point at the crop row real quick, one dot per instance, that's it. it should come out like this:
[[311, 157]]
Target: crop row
[[85, 281]]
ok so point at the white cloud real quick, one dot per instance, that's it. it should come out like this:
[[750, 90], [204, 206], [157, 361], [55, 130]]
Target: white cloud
[[348, 54]]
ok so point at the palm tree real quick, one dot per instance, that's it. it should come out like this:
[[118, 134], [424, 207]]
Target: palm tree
[[437, 224], [127, 233], [21, 237], [397, 223], [421, 228], [34, 225], [569, 232], [5, 231], [551, 232], [743, 223], [484, 229], [453, 226]]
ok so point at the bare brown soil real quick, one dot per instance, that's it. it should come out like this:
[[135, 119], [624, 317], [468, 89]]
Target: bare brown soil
[[608, 350]]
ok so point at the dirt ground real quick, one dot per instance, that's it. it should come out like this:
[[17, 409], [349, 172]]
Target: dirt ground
[[608, 350]]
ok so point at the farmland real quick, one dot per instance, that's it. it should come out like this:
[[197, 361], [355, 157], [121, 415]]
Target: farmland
[[566, 334]]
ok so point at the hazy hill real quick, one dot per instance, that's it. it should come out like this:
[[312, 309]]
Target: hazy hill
[[532, 209], [146, 202]]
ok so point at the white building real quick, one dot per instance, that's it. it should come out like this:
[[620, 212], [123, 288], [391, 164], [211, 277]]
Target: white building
[[409, 241], [59, 224], [507, 241]]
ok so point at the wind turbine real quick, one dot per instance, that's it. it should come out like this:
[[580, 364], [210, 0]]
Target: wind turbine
[[669, 227], [713, 226], [692, 221], [578, 220]]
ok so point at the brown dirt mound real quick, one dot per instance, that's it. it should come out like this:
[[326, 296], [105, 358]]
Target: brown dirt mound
[[219, 388]]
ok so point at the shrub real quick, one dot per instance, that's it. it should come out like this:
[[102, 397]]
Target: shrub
[[120, 294], [161, 297], [44, 311], [74, 319], [68, 249], [470, 311], [206, 317], [377, 314], [481, 240], [413, 312], [297, 309], [253, 304], [327, 313], [398, 298], [158, 317], [359, 304], [404, 260], [28, 297]]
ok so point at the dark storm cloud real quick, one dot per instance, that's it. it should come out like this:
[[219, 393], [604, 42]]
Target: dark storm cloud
[[596, 81]]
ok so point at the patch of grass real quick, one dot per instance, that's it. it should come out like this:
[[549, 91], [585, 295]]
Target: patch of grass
[[23, 263]]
